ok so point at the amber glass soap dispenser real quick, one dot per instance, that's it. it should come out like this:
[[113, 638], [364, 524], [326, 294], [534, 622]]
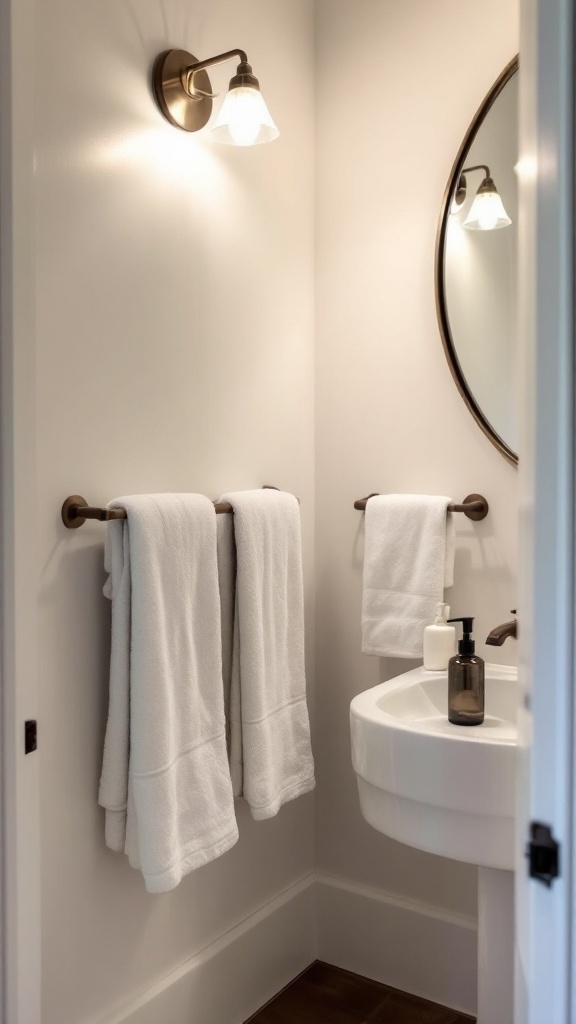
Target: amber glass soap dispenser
[[466, 680]]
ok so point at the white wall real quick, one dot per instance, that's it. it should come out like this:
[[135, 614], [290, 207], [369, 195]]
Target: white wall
[[397, 87], [174, 351]]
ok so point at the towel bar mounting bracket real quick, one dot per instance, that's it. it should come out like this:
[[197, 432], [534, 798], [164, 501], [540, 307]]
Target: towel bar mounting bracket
[[476, 514], [74, 507], [70, 516]]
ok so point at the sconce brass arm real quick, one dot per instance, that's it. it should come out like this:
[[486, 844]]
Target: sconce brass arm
[[200, 65], [460, 194], [243, 69], [477, 167]]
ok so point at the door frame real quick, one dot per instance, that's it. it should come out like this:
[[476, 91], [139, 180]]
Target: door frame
[[547, 602], [20, 820]]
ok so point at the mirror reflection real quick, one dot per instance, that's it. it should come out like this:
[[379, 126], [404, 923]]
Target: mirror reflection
[[477, 265]]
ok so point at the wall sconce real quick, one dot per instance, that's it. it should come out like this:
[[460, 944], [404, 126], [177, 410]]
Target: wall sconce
[[487, 211], [184, 94]]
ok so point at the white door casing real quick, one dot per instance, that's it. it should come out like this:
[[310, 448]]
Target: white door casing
[[20, 936], [547, 508]]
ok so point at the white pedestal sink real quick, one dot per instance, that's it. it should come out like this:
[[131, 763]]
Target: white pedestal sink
[[449, 790]]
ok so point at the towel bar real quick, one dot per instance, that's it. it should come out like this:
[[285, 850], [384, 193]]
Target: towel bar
[[76, 510], [474, 506]]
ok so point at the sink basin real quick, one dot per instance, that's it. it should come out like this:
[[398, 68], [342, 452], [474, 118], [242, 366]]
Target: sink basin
[[443, 788]]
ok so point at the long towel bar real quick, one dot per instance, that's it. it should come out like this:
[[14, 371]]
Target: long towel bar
[[76, 510], [474, 506]]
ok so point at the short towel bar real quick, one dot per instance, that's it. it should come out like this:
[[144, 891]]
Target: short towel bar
[[474, 506]]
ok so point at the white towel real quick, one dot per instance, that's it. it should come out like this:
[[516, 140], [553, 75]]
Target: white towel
[[408, 561], [271, 757], [165, 778]]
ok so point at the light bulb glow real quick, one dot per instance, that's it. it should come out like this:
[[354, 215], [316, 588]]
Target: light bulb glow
[[244, 119], [487, 213]]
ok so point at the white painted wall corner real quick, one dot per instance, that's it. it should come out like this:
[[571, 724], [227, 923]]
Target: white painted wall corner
[[418, 948]]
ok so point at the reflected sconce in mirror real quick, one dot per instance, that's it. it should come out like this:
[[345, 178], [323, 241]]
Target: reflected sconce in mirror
[[184, 94], [487, 212]]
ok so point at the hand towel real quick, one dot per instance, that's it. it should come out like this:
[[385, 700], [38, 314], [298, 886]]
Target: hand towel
[[408, 561], [165, 778], [271, 760]]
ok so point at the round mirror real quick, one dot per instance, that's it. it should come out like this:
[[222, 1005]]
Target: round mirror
[[476, 265]]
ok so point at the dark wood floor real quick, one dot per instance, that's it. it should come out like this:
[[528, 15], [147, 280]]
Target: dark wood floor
[[327, 995]]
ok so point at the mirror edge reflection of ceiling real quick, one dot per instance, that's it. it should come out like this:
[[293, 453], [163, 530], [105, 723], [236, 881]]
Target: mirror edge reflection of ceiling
[[439, 273]]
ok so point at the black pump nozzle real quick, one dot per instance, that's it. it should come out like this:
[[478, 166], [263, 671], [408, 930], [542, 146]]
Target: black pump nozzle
[[466, 645]]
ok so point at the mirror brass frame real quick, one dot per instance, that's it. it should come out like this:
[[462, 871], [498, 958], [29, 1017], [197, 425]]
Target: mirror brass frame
[[441, 310]]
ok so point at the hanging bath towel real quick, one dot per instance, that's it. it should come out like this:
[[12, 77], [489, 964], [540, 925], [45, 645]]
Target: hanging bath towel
[[271, 757], [165, 779]]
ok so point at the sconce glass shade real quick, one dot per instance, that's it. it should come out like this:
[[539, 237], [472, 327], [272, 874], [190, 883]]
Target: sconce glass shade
[[244, 119], [487, 212]]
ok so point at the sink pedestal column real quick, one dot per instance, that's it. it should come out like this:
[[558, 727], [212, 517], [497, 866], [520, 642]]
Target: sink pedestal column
[[495, 946]]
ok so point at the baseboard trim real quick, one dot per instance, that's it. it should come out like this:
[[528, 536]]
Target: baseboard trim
[[425, 950], [234, 976], [418, 948]]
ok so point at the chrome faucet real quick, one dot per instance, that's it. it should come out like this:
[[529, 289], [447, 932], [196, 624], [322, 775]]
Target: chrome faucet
[[499, 634]]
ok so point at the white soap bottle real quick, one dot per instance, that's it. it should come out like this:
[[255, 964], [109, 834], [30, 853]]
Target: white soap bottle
[[439, 641]]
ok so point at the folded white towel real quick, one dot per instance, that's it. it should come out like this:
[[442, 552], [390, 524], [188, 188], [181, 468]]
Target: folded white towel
[[271, 757], [408, 561], [165, 777]]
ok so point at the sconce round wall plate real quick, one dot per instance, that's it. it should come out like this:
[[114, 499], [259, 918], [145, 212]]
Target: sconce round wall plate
[[175, 102]]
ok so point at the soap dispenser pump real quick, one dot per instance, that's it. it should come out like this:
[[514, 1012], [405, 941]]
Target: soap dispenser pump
[[466, 680]]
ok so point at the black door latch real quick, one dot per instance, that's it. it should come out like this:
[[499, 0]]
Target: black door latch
[[543, 854], [30, 736]]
